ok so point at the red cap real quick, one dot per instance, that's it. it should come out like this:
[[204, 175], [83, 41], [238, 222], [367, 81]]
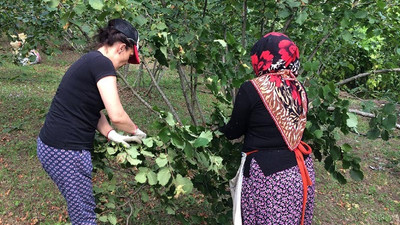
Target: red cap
[[134, 59]]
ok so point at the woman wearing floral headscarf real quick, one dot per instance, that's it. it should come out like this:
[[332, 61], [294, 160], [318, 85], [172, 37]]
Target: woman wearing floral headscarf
[[270, 110]]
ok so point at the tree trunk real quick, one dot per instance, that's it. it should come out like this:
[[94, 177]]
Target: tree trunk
[[182, 78], [244, 22], [136, 94], [367, 74], [162, 94]]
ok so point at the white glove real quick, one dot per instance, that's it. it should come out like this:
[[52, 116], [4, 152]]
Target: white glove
[[118, 138], [140, 133]]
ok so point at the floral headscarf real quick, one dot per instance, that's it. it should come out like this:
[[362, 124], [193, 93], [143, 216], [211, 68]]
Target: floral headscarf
[[275, 60], [275, 52]]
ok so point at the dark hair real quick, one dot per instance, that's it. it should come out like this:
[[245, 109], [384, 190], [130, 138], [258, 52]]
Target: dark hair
[[109, 35]]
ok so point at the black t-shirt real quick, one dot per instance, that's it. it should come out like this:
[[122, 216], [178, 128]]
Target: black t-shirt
[[251, 118], [75, 110]]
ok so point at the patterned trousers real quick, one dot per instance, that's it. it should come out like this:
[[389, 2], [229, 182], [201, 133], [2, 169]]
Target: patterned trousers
[[277, 198], [71, 170]]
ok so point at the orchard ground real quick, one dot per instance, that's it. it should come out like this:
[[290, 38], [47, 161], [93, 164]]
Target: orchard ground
[[28, 196]]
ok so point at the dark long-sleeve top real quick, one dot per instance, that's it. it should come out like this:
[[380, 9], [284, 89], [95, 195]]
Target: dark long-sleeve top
[[251, 119]]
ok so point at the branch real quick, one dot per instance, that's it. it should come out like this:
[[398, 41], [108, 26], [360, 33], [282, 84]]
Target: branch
[[244, 21], [284, 29], [204, 9], [320, 44], [130, 214], [163, 3], [162, 94], [182, 77], [367, 74], [317, 48], [289, 21], [361, 113], [83, 32], [136, 94]]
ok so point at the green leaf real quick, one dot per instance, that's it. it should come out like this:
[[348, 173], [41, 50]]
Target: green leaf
[[148, 142], [163, 176], [389, 122], [221, 42], [162, 160], [170, 211], [301, 17], [283, 13], [346, 147], [389, 108], [144, 196], [170, 119], [350, 66], [132, 161], [111, 150], [152, 178], [381, 4], [367, 106], [373, 133], [141, 176], [53, 4], [385, 135], [132, 151], [340, 177], [163, 49], [200, 142], [346, 164], [352, 121], [361, 14], [346, 35], [328, 163], [161, 26], [164, 135], [80, 8], [356, 175], [293, 3], [177, 141], [344, 22], [318, 133], [121, 157], [335, 153], [103, 219], [185, 183], [140, 20], [147, 153], [202, 158], [96, 4], [188, 150], [112, 219], [110, 205], [204, 138]]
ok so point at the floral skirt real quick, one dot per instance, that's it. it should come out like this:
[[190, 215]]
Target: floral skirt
[[277, 198]]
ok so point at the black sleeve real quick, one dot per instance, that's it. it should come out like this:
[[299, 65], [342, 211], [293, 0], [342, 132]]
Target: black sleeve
[[237, 125], [102, 67]]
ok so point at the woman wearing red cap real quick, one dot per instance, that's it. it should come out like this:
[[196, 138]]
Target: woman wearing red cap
[[66, 138], [275, 182]]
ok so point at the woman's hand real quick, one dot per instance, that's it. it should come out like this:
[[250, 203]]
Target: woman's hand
[[140, 133], [118, 138]]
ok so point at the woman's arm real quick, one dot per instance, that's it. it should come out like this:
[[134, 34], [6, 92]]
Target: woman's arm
[[103, 126], [109, 94], [237, 125]]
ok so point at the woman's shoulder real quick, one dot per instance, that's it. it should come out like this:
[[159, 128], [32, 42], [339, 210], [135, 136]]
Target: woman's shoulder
[[247, 86], [96, 58]]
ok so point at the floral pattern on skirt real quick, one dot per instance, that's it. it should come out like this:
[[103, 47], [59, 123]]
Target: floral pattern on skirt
[[277, 198]]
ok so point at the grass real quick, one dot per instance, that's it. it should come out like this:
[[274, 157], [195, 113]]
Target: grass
[[28, 196]]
